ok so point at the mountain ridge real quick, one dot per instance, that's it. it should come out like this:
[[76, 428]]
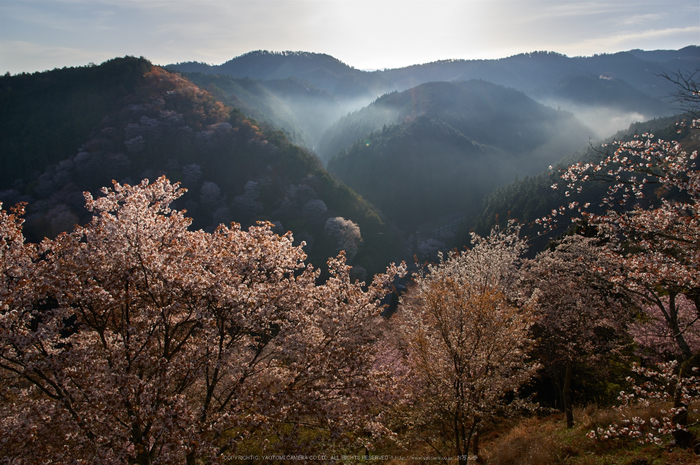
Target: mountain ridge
[[435, 150], [544, 76]]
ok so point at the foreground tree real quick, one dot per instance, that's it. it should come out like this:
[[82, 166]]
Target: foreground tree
[[656, 242], [582, 319], [134, 340], [465, 341], [651, 229]]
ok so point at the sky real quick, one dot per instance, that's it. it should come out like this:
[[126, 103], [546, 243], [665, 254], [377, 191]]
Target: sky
[[38, 35]]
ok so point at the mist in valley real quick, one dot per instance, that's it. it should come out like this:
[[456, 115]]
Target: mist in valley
[[604, 121], [425, 144]]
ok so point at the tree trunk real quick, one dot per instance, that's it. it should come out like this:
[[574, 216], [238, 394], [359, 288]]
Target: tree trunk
[[143, 456], [459, 440], [675, 328], [463, 449], [683, 437], [568, 409], [140, 441]]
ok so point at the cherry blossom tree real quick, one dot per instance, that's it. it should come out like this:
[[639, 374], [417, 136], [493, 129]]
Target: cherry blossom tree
[[465, 341], [651, 224], [346, 233], [687, 93], [582, 320], [653, 335], [135, 340], [191, 174], [209, 194]]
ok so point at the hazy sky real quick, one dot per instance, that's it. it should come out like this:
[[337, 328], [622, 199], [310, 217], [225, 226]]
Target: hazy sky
[[36, 35]]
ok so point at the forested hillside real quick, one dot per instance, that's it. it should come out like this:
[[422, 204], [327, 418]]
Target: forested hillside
[[45, 117], [491, 114], [534, 197], [150, 122], [437, 149]]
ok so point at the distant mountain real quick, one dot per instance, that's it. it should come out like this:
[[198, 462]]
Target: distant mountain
[[490, 114], [631, 78], [321, 70], [538, 71], [550, 78], [437, 149], [129, 120], [661, 56], [527, 72], [605, 92]]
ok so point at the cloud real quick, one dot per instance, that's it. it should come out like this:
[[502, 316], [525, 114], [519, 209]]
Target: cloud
[[636, 20], [20, 56], [679, 36]]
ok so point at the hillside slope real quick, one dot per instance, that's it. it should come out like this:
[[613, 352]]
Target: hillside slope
[[298, 108], [45, 117], [437, 149], [533, 197], [159, 123]]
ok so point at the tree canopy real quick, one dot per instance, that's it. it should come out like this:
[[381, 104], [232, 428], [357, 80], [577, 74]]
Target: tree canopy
[[133, 339]]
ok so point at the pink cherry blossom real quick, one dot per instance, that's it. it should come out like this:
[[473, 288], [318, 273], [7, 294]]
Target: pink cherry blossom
[[135, 340]]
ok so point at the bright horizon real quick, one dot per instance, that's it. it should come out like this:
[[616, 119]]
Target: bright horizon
[[39, 35]]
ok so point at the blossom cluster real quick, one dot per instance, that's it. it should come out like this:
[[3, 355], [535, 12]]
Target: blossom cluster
[[629, 173], [662, 385], [135, 340], [650, 226]]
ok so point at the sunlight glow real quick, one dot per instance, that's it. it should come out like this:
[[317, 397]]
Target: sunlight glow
[[364, 34]]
